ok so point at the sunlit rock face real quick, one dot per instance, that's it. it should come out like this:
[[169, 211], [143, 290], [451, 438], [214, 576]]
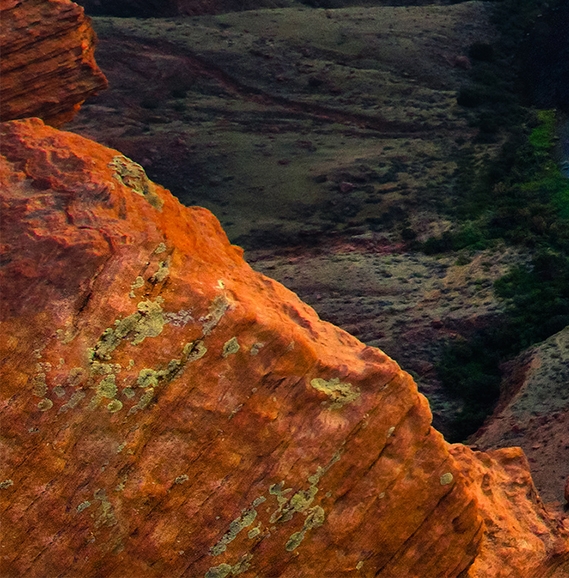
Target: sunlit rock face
[[167, 411], [47, 66]]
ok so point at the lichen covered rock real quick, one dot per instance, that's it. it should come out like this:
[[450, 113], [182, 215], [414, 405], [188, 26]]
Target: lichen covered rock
[[47, 65], [167, 411]]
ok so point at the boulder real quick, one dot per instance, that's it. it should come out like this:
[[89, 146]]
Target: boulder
[[47, 66], [167, 411]]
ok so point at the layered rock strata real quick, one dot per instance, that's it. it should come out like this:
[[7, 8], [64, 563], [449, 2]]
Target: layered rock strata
[[167, 411], [47, 66]]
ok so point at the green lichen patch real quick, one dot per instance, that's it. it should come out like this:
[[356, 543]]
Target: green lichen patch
[[161, 273], [138, 283], [340, 393], [254, 532], [280, 493], [98, 368], [224, 570], [255, 348], [45, 404], [148, 321], [132, 175], [320, 471], [299, 502], [247, 517], [181, 479], [194, 351], [39, 385], [243, 565], [6, 484], [114, 406], [147, 378], [59, 391], [446, 479], [143, 402], [216, 311], [73, 401], [314, 519], [107, 388], [230, 347], [106, 515], [77, 375], [83, 506], [128, 392], [160, 249], [220, 571]]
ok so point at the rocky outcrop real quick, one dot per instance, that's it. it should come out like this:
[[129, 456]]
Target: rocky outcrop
[[534, 414], [167, 411], [47, 65], [520, 538]]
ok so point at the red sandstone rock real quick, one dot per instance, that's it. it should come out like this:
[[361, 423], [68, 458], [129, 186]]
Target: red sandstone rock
[[521, 538], [167, 411], [47, 66]]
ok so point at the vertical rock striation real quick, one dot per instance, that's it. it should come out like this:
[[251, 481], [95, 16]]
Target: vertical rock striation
[[47, 65]]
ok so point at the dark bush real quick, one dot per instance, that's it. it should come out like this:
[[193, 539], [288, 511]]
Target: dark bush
[[481, 51]]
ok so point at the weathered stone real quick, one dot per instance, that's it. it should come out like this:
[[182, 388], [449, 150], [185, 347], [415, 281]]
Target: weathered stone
[[521, 537], [533, 413], [167, 411], [47, 65]]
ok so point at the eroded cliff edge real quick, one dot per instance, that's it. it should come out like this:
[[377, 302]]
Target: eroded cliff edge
[[167, 411]]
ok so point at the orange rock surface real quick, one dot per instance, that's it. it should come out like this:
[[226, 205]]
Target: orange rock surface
[[47, 66], [166, 411]]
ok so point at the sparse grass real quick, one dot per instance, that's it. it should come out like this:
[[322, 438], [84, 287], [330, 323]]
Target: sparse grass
[[520, 197]]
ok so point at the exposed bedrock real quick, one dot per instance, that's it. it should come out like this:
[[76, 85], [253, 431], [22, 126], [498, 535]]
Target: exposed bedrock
[[47, 67], [167, 411]]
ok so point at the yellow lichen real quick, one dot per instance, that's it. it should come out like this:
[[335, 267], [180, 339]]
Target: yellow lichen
[[340, 393], [73, 401], [231, 347], [446, 479], [314, 519], [162, 272], [83, 506], [39, 385], [114, 406], [147, 378], [148, 321], [132, 175], [194, 350], [45, 404]]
